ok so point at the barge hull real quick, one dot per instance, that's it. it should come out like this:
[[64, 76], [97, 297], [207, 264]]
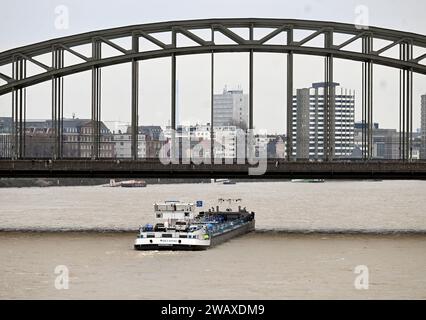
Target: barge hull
[[175, 247], [215, 240], [246, 228]]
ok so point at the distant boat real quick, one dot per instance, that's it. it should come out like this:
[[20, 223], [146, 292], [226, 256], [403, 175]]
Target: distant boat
[[224, 181], [308, 180], [128, 184]]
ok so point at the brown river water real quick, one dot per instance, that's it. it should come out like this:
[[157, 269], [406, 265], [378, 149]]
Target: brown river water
[[309, 240]]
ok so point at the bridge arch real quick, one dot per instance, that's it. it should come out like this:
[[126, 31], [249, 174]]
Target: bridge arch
[[19, 58]]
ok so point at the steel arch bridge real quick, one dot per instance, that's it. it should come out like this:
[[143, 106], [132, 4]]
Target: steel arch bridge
[[18, 59]]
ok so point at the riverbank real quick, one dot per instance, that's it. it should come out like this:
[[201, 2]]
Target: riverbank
[[74, 182]]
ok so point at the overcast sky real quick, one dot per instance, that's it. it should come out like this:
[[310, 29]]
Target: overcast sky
[[26, 21]]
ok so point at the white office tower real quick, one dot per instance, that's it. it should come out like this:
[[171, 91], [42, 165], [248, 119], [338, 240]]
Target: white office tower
[[308, 123]]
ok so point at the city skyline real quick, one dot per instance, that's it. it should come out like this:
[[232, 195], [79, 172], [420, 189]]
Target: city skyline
[[193, 71]]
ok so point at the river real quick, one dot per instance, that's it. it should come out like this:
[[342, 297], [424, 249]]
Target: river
[[309, 240]]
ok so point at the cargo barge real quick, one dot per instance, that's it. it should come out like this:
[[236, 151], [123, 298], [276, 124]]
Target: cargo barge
[[179, 227]]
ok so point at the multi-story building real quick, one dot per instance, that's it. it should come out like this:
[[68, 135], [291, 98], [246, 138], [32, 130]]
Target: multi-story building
[[106, 143], [123, 145], [276, 147], [150, 142], [225, 142], [423, 128], [151, 132], [5, 145], [308, 122], [385, 142], [5, 125], [199, 136], [77, 139], [230, 109]]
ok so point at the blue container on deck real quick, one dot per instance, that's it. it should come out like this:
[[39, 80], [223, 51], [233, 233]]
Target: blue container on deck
[[148, 227]]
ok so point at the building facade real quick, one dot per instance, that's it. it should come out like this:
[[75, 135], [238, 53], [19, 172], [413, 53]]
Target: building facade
[[77, 139], [230, 109], [5, 137], [385, 142], [123, 145], [308, 122]]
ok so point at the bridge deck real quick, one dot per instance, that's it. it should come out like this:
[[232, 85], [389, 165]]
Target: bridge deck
[[155, 169]]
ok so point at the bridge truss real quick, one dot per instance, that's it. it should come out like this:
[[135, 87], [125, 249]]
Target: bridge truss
[[18, 59]]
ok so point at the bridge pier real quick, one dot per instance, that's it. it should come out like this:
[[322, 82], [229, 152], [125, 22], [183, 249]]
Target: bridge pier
[[19, 107]]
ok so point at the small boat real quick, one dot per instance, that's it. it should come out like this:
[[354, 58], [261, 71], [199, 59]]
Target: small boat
[[128, 184], [308, 180], [179, 227], [224, 181], [133, 184]]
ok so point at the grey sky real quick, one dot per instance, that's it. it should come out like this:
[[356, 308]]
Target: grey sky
[[25, 21]]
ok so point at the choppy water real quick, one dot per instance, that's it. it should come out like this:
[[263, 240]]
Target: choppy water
[[380, 225]]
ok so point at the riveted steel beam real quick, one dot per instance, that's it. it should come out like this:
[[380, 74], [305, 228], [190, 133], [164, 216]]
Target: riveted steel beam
[[5, 78], [115, 33], [329, 102], [154, 40], [174, 143], [212, 137], [19, 101], [230, 34], [290, 69], [58, 104], [367, 100], [355, 56], [273, 34], [406, 104], [96, 101], [73, 52], [193, 36], [135, 99]]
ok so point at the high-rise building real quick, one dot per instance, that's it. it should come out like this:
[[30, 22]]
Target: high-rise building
[[308, 122], [230, 109], [423, 128]]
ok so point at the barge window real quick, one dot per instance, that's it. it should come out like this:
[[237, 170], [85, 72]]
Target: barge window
[[183, 236], [167, 235], [150, 236]]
